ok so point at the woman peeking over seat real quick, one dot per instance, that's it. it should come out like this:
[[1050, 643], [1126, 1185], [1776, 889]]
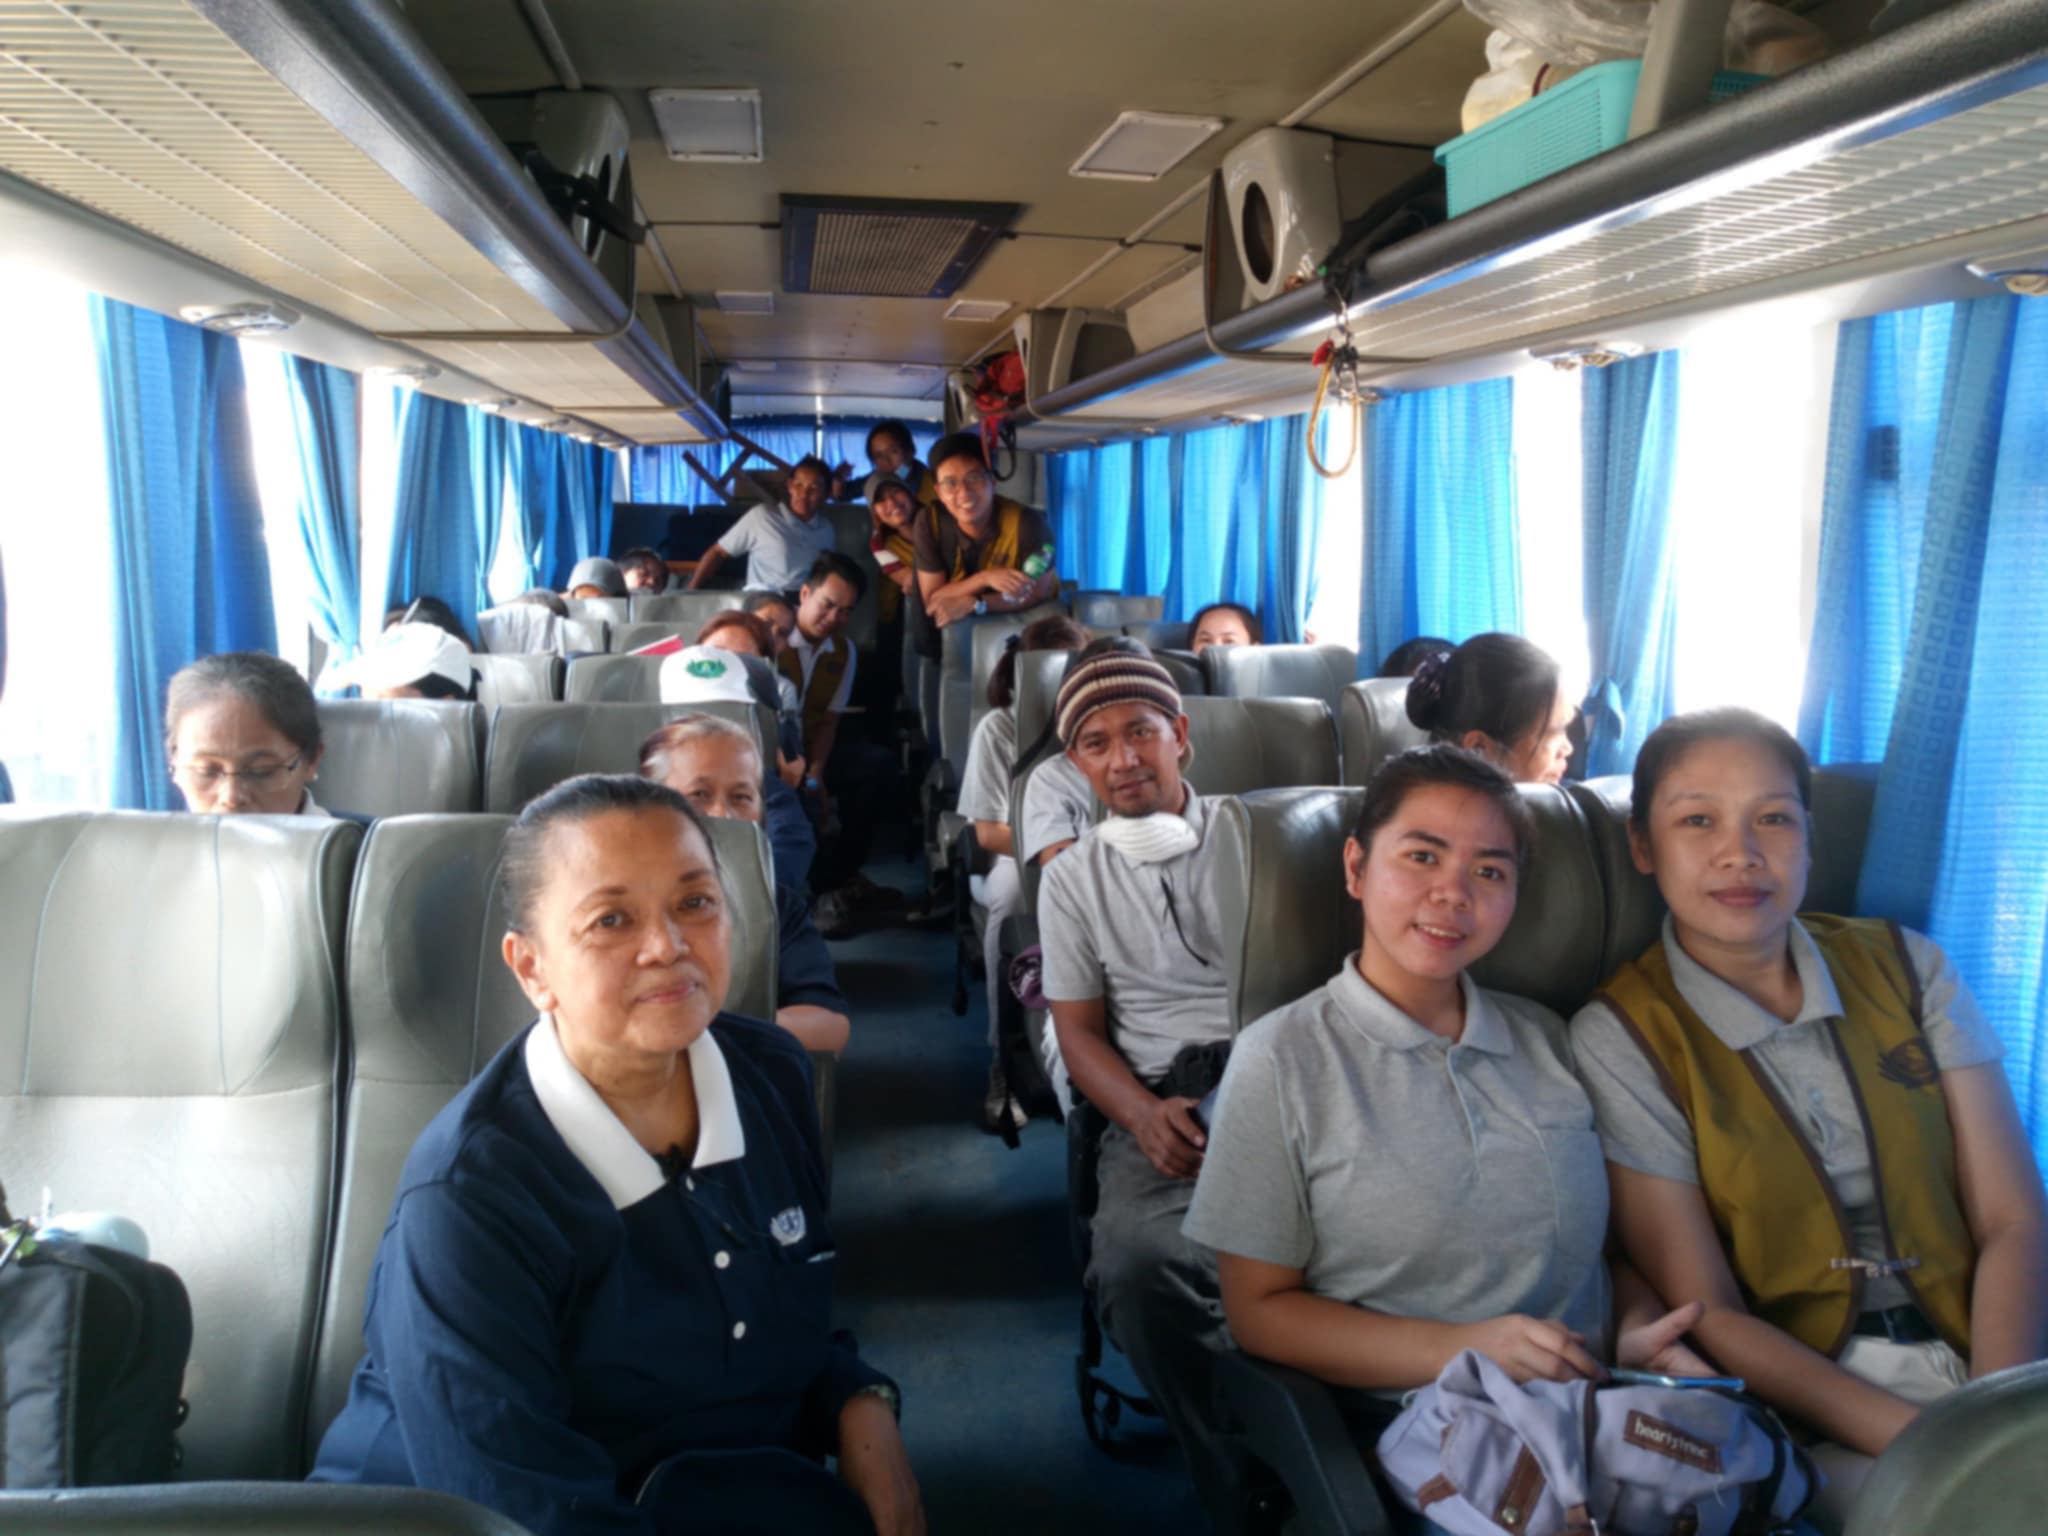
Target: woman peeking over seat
[[1806, 1124], [602, 1302], [243, 735], [715, 765], [1499, 696], [1402, 1165]]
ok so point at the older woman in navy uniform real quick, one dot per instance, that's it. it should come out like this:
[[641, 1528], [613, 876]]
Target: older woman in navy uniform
[[602, 1301]]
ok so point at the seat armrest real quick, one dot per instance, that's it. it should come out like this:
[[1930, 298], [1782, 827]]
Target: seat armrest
[[1292, 1423], [252, 1508]]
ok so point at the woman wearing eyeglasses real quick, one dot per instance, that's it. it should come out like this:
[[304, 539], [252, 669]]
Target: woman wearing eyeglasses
[[603, 1300], [243, 736], [986, 554]]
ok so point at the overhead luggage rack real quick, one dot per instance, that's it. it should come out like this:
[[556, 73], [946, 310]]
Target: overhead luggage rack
[[1912, 154]]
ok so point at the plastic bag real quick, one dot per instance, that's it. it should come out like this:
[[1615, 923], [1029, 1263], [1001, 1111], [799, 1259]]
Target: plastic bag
[[1762, 38], [1515, 72]]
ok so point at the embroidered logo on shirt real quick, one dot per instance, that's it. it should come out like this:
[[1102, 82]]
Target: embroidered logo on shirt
[[788, 1226], [705, 666], [1664, 1439], [1910, 1064]]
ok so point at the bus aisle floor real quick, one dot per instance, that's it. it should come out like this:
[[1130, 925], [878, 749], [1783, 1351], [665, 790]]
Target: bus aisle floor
[[955, 1270]]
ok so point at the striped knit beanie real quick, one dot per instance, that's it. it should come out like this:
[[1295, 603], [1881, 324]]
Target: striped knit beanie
[[1112, 671]]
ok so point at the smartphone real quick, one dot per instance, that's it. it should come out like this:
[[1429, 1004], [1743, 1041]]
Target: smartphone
[[1628, 1378]]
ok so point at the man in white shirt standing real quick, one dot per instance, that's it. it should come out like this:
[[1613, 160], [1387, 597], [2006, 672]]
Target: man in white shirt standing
[[780, 542]]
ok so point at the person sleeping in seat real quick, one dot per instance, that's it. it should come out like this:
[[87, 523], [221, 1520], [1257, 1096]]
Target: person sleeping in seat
[[1402, 1165]]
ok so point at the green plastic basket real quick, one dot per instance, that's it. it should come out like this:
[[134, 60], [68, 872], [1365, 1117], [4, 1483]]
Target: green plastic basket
[[1575, 121]]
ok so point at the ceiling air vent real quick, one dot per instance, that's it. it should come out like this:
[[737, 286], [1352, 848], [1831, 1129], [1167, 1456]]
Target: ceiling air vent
[[979, 311], [879, 247], [734, 302]]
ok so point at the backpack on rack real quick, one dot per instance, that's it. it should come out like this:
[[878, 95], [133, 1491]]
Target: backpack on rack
[[93, 1343]]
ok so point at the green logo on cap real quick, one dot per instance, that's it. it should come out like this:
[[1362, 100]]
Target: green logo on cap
[[705, 666]]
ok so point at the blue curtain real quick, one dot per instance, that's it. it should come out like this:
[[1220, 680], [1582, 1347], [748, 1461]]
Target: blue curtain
[[564, 492], [326, 404], [659, 473], [1149, 546], [191, 574], [1088, 494], [1629, 431], [1890, 373], [1442, 554], [451, 486], [1284, 483], [1959, 836]]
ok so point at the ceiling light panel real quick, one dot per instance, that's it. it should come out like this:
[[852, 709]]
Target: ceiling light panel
[[741, 302], [718, 126], [1143, 146]]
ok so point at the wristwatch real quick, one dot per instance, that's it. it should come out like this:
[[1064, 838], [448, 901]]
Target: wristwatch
[[980, 606]]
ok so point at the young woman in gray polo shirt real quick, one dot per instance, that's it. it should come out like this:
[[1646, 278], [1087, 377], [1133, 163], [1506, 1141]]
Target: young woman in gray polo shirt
[[1403, 1165], [1805, 1120]]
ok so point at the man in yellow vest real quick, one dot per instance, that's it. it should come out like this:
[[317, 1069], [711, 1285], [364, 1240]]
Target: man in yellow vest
[[979, 552]]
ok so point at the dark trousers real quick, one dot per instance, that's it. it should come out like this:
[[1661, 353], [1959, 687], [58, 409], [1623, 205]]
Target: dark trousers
[[865, 788], [760, 1492]]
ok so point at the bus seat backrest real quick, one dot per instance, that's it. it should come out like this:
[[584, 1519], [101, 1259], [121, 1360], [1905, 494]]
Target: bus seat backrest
[[691, 610], [1176, 636], [1288, 924], [517, 629], [613, 680], [626, 638], [170, 1025], [1970, 1461], [958, 673], [850, 522], [577, 636], [431, 1001], [398, 757], [1280, 671], [1109, 611], [1038, 686], [1186, 667], [1842, 799], [534, 747], [1245, 744], [516, 679], [612, 610], [1372, 717], [991, 638]]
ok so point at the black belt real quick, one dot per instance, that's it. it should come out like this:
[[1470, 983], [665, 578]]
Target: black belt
[[1902, 1325]]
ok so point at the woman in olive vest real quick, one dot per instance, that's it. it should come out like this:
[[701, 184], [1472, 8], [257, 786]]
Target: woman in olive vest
[[1805, 1120]]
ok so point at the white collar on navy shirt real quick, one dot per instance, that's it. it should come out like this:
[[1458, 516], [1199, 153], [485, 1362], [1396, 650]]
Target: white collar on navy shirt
[[600, 1141]]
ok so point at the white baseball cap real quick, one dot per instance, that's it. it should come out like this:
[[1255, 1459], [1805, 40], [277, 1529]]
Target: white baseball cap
[[700, 674], [405, 655]]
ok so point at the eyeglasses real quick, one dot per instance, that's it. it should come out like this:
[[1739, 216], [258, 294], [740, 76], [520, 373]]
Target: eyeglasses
[[973, 480], [210, 774]]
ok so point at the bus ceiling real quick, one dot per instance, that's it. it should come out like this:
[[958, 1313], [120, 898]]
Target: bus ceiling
[[348, 161]]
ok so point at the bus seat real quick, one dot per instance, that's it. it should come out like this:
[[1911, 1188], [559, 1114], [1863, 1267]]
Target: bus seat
[[517, 679], [1842, 799], [1176, 636], [1295, 1427], [850, 524], [630, 637], [1188, 674], [1108, 611], [1288, 925], [615, 679], [612, 610], [958, 672], [1245, 744], [1038, 686], [990, 638], [253, 1509], [689, 610], [536, 746], [431, 1001], [398, 757], [1280, 671], [1372, 717], [577, 636], [1970, 1461], [516, 629], [172, 1023]]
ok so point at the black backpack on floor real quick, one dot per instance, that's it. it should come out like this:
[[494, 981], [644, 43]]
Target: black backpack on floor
[[93, 1343]]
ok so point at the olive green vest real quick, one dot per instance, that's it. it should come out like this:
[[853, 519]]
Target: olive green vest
[[1779, 1218], [826, 672]]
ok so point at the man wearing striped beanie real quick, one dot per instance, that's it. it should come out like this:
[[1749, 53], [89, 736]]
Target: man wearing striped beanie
[[1133, 972]]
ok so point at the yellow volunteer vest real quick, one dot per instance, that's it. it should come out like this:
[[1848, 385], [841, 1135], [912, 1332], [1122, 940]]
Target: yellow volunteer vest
[[1005, 552], [825, 675], [1779, 1219], [889, 597]]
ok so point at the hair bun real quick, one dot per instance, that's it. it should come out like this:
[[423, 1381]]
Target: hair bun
[[1426, 689]]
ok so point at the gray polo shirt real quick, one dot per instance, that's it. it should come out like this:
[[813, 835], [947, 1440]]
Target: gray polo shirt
[[780, 546], [1143, 938], [1641, 1128], [1407, 1173], [1058, 806], [985, 783]]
